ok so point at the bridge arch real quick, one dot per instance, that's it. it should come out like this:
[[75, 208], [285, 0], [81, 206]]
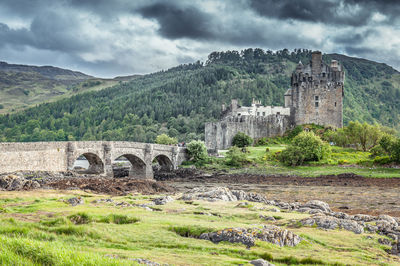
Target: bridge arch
[[137, 167], [164, 162], [95, 164]]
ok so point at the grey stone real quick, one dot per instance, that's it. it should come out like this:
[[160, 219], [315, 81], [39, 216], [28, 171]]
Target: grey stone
[[75, 201], [268, 233], [163, 200], [329, 222], [209, 194], [316, 204], [261, 262]]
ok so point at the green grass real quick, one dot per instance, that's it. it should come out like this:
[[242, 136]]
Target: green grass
[[167, 236], [342, 160]]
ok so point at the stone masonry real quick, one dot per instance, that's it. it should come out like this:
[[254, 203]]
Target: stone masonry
[[315, 97], [60, 156]]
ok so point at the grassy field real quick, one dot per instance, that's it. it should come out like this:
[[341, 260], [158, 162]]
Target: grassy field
[[342, 160], [38, 228]]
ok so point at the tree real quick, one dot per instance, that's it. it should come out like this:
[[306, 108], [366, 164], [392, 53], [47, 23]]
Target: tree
[[305, 147], [166, 140], [241, 140], [197, 150], [363, 135]]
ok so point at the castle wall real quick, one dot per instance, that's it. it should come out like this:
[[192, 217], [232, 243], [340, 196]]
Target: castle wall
[[329, 101], [219, 135]]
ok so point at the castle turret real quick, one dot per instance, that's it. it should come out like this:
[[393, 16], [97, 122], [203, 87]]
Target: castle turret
[[316, 95]]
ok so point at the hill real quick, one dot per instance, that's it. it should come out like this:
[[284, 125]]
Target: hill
[[178, 101], [22, 86]]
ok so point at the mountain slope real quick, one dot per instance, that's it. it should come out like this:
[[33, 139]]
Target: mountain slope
[[22, 86], [180, 100]]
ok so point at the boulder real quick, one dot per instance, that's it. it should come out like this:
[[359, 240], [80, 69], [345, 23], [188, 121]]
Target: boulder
[[75, 201], [233, 235], [210, 194], [163, 200], [261, 262], [268, 233], [316, 204], [329, 222], [389, 219]]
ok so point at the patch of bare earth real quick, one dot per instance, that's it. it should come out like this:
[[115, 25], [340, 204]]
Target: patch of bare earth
[[347, 192]]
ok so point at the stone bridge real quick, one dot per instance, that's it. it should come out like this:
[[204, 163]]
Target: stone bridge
[[61, 156]]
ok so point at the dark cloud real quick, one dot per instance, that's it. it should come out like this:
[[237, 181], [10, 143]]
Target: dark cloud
[[342, 12], [108, 38], [179, 22]]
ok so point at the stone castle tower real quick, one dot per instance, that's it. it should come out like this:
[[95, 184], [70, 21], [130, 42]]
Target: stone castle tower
[[315, 97], [316, 93]]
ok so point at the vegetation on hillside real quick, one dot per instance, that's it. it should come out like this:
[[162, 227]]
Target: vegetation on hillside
[[180, 100]]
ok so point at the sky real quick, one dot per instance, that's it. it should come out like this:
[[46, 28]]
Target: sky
[[107, 38]]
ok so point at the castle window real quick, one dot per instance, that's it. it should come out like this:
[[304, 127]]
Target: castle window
[[304, 78], [309, 78], [316, 98], [263, 113], [323, 75], [258, 113], [335, 104], [278, 113], [316, 104]]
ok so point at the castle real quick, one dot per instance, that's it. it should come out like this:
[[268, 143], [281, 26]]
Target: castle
[[315, 96]]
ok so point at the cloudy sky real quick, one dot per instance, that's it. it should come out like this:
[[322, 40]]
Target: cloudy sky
[[107, 38]]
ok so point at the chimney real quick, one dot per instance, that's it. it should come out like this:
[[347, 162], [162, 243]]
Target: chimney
[[316, 61]]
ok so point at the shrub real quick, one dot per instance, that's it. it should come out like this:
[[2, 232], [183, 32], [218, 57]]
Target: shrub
[[378, 151], [396, 151], [118, 219], [166, 140], [197, 150], [241, 140], [235, 157], [190, 231], [305, 147], [382, 160], [294, 132], [80, 218]]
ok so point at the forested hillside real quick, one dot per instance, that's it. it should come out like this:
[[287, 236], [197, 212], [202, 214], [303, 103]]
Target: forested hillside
[[22, 86], [178, 101]]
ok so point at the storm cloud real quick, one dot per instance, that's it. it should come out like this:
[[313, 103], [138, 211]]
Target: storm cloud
[[109, 38]]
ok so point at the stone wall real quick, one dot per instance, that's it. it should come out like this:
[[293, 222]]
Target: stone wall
[[219, 135]]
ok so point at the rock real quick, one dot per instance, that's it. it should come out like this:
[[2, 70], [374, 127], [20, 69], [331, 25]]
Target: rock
[[315, 211], [304, 209], [267, 218], [239, 194], [274, 210], [75, 201], [163, 200], [384, 225], [329, 222], [242, 204], [210, 194], [340, 215], [385, 241], [362, 217], [233, 235], [389, 219], [316, 204], [278, 236], [261, 262], [371, 228], [145, 262], [268, 233]]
